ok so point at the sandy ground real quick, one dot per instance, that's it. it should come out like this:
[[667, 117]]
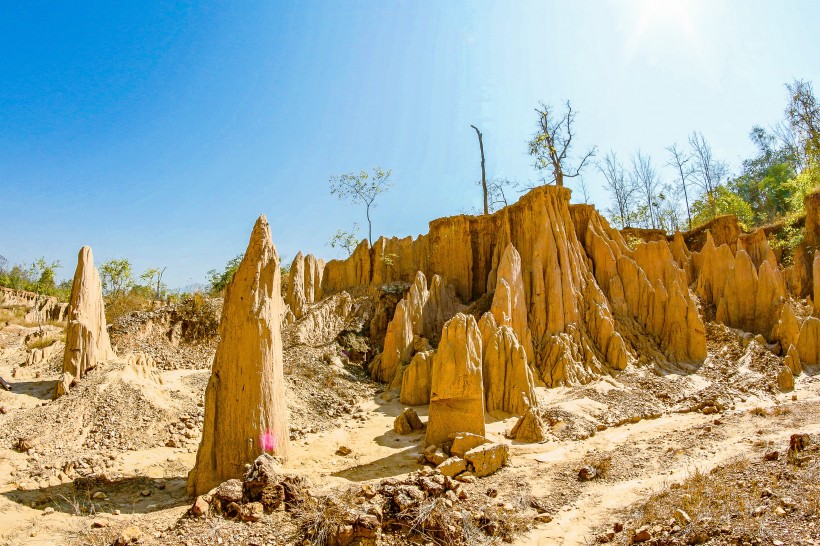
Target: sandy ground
[[150, 490]]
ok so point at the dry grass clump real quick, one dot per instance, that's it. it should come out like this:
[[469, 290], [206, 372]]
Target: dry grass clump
[[442, 523], [45, 341], [744, 501], [601, 462], [319, 518], [119, 305], [705, 497], [774, 412], [15, 315]]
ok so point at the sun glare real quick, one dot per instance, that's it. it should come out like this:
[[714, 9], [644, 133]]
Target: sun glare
[[661, 23]]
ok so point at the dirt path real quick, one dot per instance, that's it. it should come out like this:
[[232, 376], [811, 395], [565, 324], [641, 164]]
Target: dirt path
[[653, 454]]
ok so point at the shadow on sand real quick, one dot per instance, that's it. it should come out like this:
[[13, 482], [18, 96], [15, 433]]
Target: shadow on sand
[[127, 495], [42, 389]]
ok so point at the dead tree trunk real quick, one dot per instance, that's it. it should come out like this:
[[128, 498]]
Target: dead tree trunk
[[483, 172]]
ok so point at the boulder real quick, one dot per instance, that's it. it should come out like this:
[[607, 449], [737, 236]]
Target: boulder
[[452, 467], [413, 418], [64, 384], [792, 361], [488, 458], [87, 342], [407, 422], [401, 426], [434, 454], [462, 442], [245, 410], [457, 390], [530, 427], [785, 379]]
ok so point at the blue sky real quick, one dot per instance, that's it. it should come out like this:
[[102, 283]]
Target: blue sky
[[158, 132]]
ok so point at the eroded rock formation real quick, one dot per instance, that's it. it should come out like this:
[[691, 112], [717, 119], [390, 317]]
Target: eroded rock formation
[[420, 314], [245, 411], [86, 336], [571, 324], [457, 392], [47, 309], [305, 286], [645, 285], [508, 383]]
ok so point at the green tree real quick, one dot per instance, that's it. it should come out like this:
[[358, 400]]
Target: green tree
[[42, 276], [116, 276], [218, 281], [762, 181], [347, 240], [722, 201], [149, 276], [362, 189]]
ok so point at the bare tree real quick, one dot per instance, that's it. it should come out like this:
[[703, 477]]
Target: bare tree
[[498, 188], [803, 115], [585, 195], [362, 188], [552, 143], [645, 179], [483, 172], [621, 188], [707, 172], [680, 161]]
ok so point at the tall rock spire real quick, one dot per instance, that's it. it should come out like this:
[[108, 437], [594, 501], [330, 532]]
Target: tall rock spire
[[245, 410]]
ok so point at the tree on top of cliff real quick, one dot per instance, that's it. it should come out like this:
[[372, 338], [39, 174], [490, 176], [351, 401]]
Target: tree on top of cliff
[[362, 188], [552, 144]]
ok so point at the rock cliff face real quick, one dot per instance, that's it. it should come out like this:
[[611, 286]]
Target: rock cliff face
[[569, 300], [48, 309], [747, 288], [87, 341], [645, 285], [575, 271], [305, 285], [245, 411], [420, 314]]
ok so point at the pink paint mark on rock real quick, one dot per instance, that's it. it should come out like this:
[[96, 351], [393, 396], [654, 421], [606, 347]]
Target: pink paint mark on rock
[[267, 441]]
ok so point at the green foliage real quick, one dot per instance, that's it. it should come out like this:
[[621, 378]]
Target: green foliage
[[799, 187], [389, 260], [724, 201], [116, 276], [39, 277], [153, 282], [347, 240], [218, 281], [787, 239]]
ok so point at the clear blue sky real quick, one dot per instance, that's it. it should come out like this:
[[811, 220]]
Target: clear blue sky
[[159, 132]]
